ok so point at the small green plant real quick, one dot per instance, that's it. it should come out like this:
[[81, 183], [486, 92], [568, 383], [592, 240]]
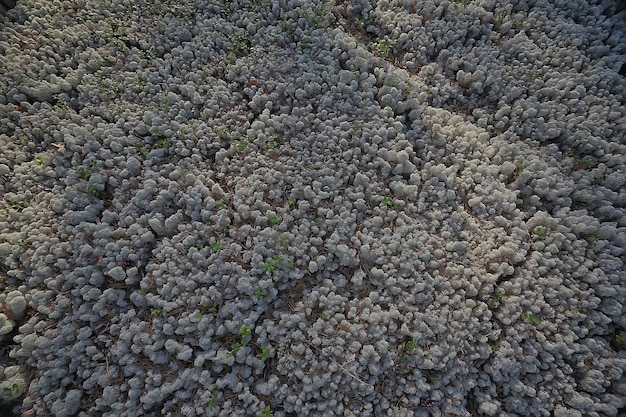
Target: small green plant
[[531, 319], [11, 392], [324, 315], [265, 353], [282, 240], [266, 412], [141, 147], [494, 347], [59, 103], [291, 202], [620, 340], [360, 22], [212, 399], [434, 378], [220, 203], [496, 299], [593, 238], [239, 45], [200, 245], [541, 231], [269, 267], [234, 349], [246, 333], [156, 311], [387, 202], [279, 260], [271, 144], [39, 160], [587, 161], [158, 132], [18, 204], [83, 173], [141, 291], [91, 190], [275, 219], [259, 292], [208, 308], [217, 246], [224, 132], [163, 143], [240, 143], [384, 47], [409, 347]]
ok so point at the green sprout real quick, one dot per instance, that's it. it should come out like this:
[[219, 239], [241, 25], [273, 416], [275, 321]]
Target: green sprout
[[217, 246], [271, 144], [11, 392], [233, 351], [220, 203], [156, 311], [18, 204], [587, 161], [360, 22], [410, 346], [246, 333], [282, 240], [39, 160], [163, 143], [81, 172], [200, 245], [387, 202], [224, 131], [241, 142], [158, 133], [620, 340], [592, 238], [259, 292], [91, 190], [141, 147], [275, 219], [266, 412], [495, 302], [208, 308], [265, 353], [291, 202], [531, 319], [212, 400], [269, 267], [384, 47], [434, 378]]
